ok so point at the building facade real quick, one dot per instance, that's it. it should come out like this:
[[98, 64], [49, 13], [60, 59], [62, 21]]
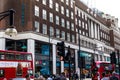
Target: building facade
[[43, 23]]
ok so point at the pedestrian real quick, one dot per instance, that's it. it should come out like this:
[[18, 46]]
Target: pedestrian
[[27, 77], [62, 77], [104, 77], [49, 78], [113, 77], [57, 77], [75, 76]]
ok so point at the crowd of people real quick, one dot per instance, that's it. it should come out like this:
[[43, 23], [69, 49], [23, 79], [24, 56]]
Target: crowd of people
[[113, 77], [57, 77]]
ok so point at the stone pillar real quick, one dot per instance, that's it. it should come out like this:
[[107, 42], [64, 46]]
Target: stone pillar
[[62, 66], [54, 58], [31, 49], [76, 60]]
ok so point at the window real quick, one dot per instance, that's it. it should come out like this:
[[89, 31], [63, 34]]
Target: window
[[50, 3], [67, 12], [71, 3], [73, 38], [72, 17], [79, 22], [68, 36], [62, 0], [67, 2], [2, 73], [57, 20], [44, 2], [51, 31], [37, 26], [36, 11], [86, 17], [62, 22], [37, 0], [51, 17], [2, 56], [62, 10], [57, 33], [44, 29], [63, 35], [68, 25], [82, 15], [28, 57], [44, 14], [57, 7], [72, 26], [10, 56], [76, 21], [83, 26]]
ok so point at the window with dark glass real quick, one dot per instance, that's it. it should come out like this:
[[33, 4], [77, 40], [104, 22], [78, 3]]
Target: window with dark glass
[[2, 56], [10, 56]]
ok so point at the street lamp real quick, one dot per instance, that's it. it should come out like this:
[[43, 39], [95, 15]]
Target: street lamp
[[11, 31]]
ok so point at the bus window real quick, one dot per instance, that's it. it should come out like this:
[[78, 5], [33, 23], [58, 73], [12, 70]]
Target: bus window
[[10, 56], [19, 57], [2, 56], [1, 73], [29, 57]]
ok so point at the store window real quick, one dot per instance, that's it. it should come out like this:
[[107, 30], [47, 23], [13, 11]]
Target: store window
[[16, 45]]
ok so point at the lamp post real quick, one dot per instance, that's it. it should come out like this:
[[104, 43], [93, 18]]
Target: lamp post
[[11, 29]]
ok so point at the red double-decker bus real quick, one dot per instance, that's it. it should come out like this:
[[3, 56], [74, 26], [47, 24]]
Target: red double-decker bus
[[15, 64], [101, 67]]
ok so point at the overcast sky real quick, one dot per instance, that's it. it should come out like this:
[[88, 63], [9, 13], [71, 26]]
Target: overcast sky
[[111, 7]]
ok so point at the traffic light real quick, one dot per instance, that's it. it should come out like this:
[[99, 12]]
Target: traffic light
[[68, 54], [113, 58], [61, 49]]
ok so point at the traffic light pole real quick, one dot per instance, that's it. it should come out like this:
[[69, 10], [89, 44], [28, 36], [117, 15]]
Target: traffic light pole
[[69, 60], [49, 51], [79, 55]]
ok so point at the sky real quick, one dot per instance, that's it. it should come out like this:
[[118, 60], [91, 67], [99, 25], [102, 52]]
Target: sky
[[107, 6]]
